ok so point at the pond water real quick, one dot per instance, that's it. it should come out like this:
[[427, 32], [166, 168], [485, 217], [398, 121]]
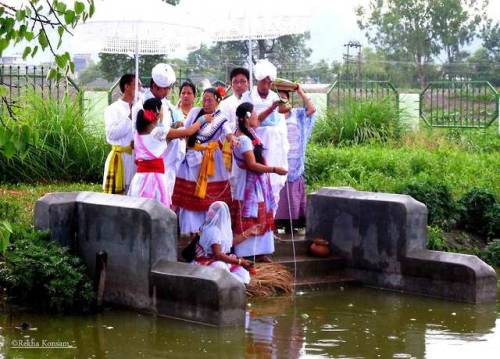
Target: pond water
[[353, 322]]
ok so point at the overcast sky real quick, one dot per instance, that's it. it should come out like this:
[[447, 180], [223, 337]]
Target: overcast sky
[[333, 22]]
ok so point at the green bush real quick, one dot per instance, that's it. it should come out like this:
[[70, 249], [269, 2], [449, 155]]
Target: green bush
[[359, 122], [438, 199], [480, 212], [491, 254], [41, 274], [435, 239], [48, 140], [9, 211]]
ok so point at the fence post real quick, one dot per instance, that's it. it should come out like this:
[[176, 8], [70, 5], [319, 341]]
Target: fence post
[[409, 106]]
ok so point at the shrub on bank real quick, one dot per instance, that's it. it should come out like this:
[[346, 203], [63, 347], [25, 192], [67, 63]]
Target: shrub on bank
[[491, 254], [386, 168], [438, 199], [480, 212], [360, 121], [37, 272], [48, 140]]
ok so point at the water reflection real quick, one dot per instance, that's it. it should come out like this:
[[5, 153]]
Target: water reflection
[[354, 323]]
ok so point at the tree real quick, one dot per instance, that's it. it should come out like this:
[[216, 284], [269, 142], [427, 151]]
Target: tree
[[89, 74], [112, 66], [418, 30], [491, 39], [454, 23], [286, 52], [35, 21]]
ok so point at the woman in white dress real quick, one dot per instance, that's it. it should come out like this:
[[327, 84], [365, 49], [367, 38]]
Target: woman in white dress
[[216, 240], [203, 176], [253, 198]]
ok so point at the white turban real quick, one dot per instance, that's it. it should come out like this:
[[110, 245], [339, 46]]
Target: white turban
[[263, 68], [163, 75]]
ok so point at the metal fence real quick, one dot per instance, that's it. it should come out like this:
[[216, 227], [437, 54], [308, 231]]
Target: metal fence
[[344, 92], [18, 80], [459, 104]]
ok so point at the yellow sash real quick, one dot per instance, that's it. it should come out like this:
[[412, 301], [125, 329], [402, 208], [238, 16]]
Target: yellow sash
[[115, 177], [207, 167], [227, 155]]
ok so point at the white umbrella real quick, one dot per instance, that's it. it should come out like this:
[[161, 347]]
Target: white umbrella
[[236, 20], [145, 27]]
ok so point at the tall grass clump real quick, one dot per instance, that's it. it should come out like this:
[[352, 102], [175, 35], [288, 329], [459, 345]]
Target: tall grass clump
[[48, 140], [358, 122]]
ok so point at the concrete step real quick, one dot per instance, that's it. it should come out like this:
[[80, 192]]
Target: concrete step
[[284, 247], [311, 266], [336, 280]]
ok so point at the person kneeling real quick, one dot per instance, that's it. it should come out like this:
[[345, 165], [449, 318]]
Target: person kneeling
[[216, 240]]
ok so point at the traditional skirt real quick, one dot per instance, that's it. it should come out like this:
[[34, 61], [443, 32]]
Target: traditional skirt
[[297, 194]]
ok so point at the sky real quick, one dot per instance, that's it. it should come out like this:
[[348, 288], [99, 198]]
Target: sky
[[332, 23]]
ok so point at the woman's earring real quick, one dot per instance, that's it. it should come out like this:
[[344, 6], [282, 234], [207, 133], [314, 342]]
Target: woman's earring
[[249, 114]]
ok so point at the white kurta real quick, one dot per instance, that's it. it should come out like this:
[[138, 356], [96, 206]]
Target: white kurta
[[119, 129], [274, 138], [228, 106], [176, 149]]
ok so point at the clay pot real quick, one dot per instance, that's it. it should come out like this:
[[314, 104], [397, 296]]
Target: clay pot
[[319, 248]]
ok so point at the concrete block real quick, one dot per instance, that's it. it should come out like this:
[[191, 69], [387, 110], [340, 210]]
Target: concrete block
[[383, 237], [134, 232], [198, 293]]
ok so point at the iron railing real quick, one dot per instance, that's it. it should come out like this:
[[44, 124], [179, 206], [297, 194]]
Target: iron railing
[[459, 104], [343, 92], [16, 80]]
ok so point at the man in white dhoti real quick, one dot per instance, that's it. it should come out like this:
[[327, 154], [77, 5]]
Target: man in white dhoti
[[272, 131], [162, 80], [119, 126]]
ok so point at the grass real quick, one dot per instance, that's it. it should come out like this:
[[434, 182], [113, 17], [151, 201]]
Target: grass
[[53, 142], [25, 195], [461, 161], [359, 122]]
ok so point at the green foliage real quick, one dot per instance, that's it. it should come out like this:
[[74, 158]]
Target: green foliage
[[480, 212], [49, 140], [388, 167], [491, 254], [35, 22], [359, 122], [435, 239], [39, 273], [113, 66], [288, 51], [8, 214], [420, 30], [438, 199]]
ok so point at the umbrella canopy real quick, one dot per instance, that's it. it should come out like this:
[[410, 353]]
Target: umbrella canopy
[[235, 20], [146, 27]]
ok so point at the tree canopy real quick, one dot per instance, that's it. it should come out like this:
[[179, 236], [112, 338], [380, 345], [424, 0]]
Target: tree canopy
[[35, 22], [419, 30]]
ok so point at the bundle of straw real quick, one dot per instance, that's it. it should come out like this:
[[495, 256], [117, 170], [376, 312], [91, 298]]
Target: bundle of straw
[[270, 279]]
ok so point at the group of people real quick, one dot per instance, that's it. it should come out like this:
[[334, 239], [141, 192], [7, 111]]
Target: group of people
[[228, 168]]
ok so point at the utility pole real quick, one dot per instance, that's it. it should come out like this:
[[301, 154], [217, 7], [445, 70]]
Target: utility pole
[[352, 59]]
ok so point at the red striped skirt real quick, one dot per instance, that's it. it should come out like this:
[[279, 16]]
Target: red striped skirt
[[241, 224], [184, 195]]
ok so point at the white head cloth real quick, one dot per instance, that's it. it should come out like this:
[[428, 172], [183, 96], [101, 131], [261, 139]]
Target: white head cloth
[[217, 224], [163, 75], [263, 68]]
